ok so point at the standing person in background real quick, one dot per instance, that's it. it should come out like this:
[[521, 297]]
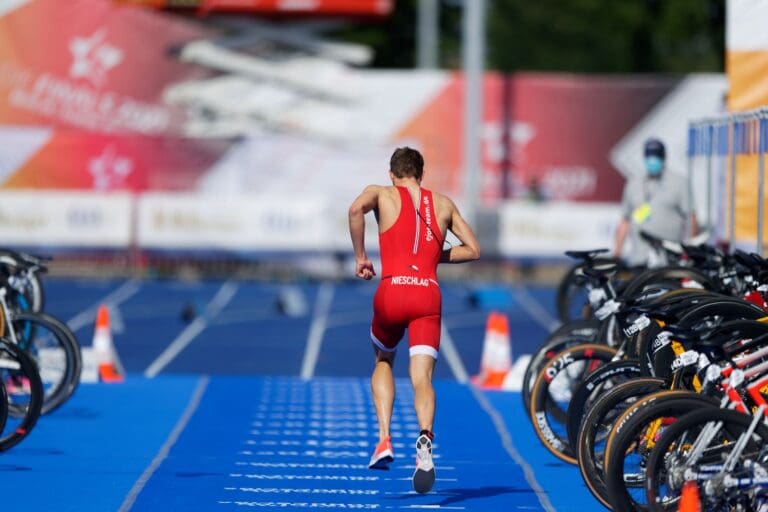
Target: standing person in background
[[413, 222], [658, 203]]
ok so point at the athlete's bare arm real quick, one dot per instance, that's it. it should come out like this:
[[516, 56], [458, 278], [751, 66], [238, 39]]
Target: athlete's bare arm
[[365, 202], [469, 250]]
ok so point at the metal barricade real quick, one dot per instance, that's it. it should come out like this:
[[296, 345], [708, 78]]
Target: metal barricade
[[719, 142]]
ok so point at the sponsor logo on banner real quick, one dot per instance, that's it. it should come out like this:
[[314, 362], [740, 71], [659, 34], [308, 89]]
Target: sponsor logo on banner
[[494, 150], [195, 223], [81, 105], [242, 223], [96, 68], [109, 169], [83, 217], [92, 57], [280, 222], [14, 218], [570, 182], [72, 219]]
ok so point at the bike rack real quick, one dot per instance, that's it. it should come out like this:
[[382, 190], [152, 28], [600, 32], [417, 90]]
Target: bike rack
[[725, 138]]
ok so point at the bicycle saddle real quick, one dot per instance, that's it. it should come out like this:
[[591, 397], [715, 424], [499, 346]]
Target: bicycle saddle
[[601, 271], [22, 259], [667, 245], [585, 255]]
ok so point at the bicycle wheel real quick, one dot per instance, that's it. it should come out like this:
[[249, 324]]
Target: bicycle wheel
[[636, 336], [36, 291], [24, 393], [673, 456], [658, 354], [554, 388], [669, 278], [571, 296], [55, 351], [22, 279], [568, 335], [634, 436], [595, 385], [726, 308], [598, 422], [580, 328], [3, 406]]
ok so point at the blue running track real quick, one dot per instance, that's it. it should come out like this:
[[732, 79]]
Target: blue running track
[[245, 395]]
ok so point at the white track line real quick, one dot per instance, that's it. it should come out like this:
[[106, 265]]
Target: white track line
[[123, 293], [217, 303], [531, 306], [506, 441], [194, 403], [316, 330], [452, 357]]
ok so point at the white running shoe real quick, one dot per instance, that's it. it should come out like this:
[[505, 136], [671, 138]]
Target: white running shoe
[[424, 476]]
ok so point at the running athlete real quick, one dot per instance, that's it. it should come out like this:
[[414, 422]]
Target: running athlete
[[412, 223]]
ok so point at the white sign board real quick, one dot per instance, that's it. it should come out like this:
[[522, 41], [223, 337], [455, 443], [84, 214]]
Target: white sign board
[[527, 229], [259, 223], [60, 218]]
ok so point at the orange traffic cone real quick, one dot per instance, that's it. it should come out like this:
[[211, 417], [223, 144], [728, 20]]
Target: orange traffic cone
[[496, 359], [689, 498], [106, 357]]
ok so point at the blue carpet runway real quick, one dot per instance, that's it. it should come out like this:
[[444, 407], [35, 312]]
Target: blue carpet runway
[[300, 445], [214, 414]]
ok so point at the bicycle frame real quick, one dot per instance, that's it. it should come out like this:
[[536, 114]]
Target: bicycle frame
[[6, 316]]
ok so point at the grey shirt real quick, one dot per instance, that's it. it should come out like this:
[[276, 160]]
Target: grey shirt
[[659, 206]]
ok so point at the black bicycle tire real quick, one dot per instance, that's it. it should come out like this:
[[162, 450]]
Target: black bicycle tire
[[658, 454], [34, 407], [689, 295], [736, 309], [539, 358], [650, 277], [74, 363], [3, 406], [579, 405], [563, 295], [38, 292], [589, 464], [634, 419], [569, 282], [540, 395], [655, 362], [587, 328]]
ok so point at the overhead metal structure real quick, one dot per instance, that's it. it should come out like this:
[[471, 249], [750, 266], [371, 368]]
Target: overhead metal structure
[[427, 34], [473, 66]]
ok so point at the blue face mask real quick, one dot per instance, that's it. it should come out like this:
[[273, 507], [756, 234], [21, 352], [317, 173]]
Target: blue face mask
[[654, 165]]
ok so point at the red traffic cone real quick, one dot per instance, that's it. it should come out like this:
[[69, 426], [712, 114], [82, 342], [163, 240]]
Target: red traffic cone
[[689, 498], [496, 360], [106, 357]]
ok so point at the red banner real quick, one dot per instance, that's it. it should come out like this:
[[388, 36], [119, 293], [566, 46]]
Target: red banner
[[95, 82], [350, 7], [314, 7], [103, 162], [553, 132], [99, 67], [565, 126]]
